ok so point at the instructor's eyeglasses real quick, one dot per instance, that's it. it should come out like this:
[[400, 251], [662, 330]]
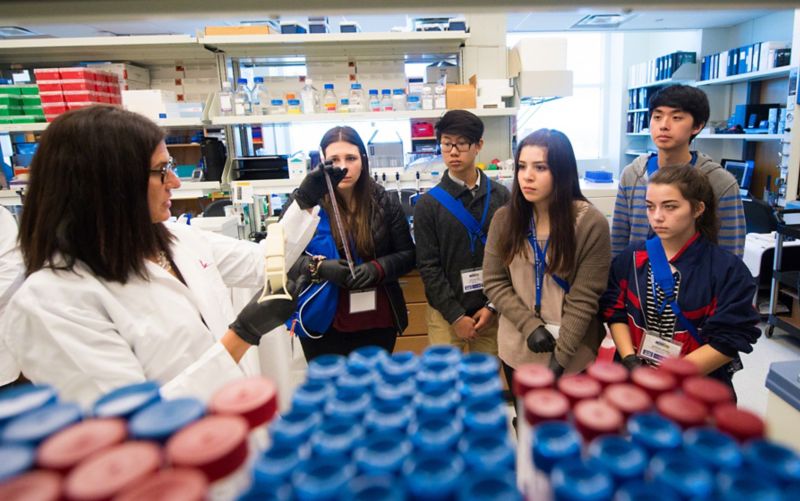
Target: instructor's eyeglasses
[[165, 169]]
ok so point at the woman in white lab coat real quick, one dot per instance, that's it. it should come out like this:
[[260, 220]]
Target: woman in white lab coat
[[11, 273], [113, 295]]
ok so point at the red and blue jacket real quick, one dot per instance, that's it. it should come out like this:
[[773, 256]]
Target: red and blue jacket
[[716, 295]]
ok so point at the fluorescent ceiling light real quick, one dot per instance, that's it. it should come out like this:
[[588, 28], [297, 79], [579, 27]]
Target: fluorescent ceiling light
[[15, 31], [595, 21]]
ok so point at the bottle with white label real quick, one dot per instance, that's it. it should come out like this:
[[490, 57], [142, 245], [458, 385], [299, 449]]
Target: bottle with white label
[[260, 98], [439, 100], [356, 98], [427, 98], [374, 100], [309, 98], [241, 99], [386, 100], [398, 100], [225, 97], [329, 101]]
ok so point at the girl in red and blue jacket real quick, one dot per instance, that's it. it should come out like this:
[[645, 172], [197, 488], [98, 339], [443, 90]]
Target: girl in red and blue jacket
[[679, 294]]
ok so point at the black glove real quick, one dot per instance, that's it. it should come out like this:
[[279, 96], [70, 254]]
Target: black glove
[[314, 188], [632, 361], [256, 319], [334, 270], [555, 366], [541, 341], [367, 275]]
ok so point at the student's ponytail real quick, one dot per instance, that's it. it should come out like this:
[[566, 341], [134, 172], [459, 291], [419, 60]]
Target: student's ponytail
[[695, 188]]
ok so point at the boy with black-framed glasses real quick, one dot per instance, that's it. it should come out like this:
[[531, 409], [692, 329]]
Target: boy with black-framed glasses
[[450, 226]]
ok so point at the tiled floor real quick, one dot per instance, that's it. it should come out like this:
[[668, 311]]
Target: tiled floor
[[749, 382]]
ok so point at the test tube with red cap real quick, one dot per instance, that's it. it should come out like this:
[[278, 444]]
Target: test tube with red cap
[[709, 391], [684, 410], [36, 485], [742, 424], [175, 484], [595, 418], [527, 378], [539, 406], [253, 398], [679, 367], [655, 382], [64, 450], [627, 398], [607, 373]]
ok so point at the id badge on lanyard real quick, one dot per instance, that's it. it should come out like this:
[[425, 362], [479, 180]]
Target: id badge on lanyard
[[363, 300], [654, 348], [472, 280]]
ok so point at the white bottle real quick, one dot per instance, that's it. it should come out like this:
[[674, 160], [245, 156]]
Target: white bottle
[[439, 98], [309, 98], [241, 99], [398, 100], [356, 98], [329, 100], [386, 100], [260, 98], [225, 99], [374, 100], [427, 98]]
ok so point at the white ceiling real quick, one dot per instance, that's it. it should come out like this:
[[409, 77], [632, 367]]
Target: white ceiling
[[551, 20]]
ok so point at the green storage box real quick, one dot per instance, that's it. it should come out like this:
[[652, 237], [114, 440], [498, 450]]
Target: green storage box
[[32, 110], [5, 120], [9, 100], [10, 89], [22, 119], [28, 90], [27, 100]]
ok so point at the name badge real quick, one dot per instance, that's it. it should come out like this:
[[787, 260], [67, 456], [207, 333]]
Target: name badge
[[363, 300], [654, 349], [472, 279]]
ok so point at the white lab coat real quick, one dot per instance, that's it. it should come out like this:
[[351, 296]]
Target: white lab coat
[[12, 272], [86, 336]]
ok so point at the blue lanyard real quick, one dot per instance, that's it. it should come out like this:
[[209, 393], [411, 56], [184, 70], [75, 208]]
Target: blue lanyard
[[652, 163], [539, 265], [659, 307]]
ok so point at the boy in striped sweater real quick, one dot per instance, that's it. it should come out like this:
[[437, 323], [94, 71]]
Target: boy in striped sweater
[[677, 114]]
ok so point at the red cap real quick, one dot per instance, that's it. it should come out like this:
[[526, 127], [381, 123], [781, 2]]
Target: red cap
[[545, 404], [680, 368], [741, 424], [685, 411], [107, 473], [707, 390], [531, 377], [607, 373], [254, 398], [627, 398], [215, 445], [594, 418], [32, 486], [64, 450], [577, 387], [179, 484], [654, 382]]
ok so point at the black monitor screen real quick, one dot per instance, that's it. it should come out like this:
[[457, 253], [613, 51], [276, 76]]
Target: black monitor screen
[[741, 170]]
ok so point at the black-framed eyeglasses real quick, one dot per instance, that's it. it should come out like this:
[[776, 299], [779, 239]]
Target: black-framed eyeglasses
[[461, 146], [165, 169]]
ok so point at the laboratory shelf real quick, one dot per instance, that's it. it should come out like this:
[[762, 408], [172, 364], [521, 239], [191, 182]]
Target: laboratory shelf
[[752, 76], [352, 117]]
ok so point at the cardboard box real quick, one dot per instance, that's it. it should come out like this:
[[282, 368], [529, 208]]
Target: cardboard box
[[460, 96], [260, 29]]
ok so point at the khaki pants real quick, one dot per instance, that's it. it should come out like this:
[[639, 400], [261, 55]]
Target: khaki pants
[[440, 332]]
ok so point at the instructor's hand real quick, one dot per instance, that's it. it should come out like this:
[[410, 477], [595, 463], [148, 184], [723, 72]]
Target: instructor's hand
[[256, 319], [314, 188]]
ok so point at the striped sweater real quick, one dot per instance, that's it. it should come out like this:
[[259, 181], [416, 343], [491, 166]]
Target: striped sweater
[[630, 211]]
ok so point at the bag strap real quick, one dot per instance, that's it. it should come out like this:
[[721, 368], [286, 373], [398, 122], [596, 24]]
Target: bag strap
[[457, 209]]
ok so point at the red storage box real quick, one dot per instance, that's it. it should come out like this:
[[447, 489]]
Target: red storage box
[[51, 97], [47, 74], [104, 98], [422, 129], [54, 109], [80, 96], [52, 86], [77, 106], [77, 74], [75, 85]]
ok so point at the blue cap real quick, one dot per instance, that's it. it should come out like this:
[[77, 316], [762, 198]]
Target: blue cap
[[328, 86], [399, 365], [381, 454], [479, 386], [413, 99], [654, 432], [18, 400], [735, 485], [373, 92], [639, 490], [772, 461], [677, 471], [443, 352], [485, 451], [437, 373], [258, 80], [433, 475], [386, 92], [436, 400], [599, 176], [35, 426], [389, 416], [355, 86], [280, 493], [336, 437], [621, 458], [15, 460], [312, 395], [275, 466], [369, 356], [372, 488], [161, 420], [294, 102], [323, 478], [348, 404], [242, 81], [295, 427], [712, 448], [127, 400], [486, 486], [485, 414], [435, 434], [276, 102], [575, 480], [398, 92], [395, 391], [344, 101], [478, 363], [326, 367], [554, 441]]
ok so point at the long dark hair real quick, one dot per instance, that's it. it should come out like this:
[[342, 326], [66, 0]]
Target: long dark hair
[[87, 196], [562, 214], [357, 219], [694, 187]]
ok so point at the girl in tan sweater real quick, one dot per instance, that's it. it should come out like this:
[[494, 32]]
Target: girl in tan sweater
[[546, 263]]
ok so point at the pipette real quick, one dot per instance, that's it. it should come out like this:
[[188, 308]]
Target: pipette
[[338, 217]]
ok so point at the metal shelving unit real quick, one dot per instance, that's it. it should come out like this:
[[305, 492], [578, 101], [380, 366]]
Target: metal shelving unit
[[790, 279]]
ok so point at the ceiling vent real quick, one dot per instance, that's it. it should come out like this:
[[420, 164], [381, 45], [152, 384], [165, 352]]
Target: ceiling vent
[[15, 32], [600, 21]]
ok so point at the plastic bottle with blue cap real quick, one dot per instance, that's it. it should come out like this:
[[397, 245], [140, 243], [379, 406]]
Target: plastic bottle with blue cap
[[282, 493], [274, 467], [436, 434], [348, 405], [654, 432], [736, 485], [433, 476], [294, 428], [312, 396], [241, 99], [574, 480], [487, 451], [336, 437], [442, 352], [552, 443], [323, 479], [436, 400], [356, 378], [639, 490], [620, 458], [35, 426], [437, 374], [480, 386], [714, 449], [489, 486], [773, 461], [371, 488], [677, 471], [370, 356], [485, 414], [326, 368], [389, 416], [478, 364], [17, 400], [15, 459], [127, 400], [392, 389], [399, 365], [382, 454], [161, 420]]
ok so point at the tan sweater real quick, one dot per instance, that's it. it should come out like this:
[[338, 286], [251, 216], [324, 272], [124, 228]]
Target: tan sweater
[[511, 289]]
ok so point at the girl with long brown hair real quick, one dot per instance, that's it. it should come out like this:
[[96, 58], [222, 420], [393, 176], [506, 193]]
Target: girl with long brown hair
[[546, 261]]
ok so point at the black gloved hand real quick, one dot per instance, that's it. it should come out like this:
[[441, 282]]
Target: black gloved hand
[[555, 366], [334, 270], [314, 188], [256, 319], [632, 361], [367, 275], [541, 341]]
